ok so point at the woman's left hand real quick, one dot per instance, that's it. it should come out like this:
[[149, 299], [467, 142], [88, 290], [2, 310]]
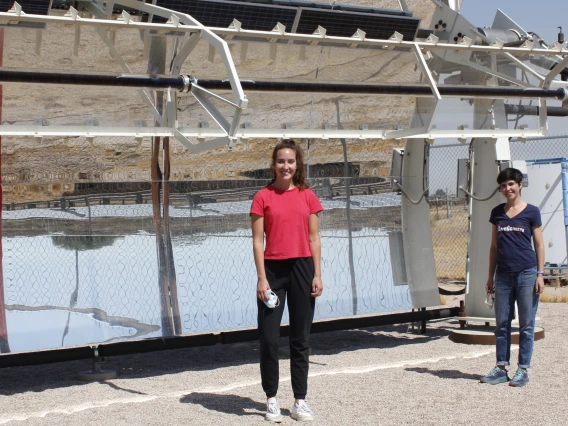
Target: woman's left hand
[[539, 286], [317, 287]]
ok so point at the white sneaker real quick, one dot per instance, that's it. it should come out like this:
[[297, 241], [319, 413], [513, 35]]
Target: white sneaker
[[301, 412], [273, 411]]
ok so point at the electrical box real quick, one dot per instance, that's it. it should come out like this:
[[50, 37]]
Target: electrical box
[[463, 178], [548, 191], [522, 166], [398, 263], [396, 168]]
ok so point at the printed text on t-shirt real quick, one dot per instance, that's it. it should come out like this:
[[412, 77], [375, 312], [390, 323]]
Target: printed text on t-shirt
[[510, 228]]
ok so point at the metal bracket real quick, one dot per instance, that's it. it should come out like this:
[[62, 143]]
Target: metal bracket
[[97, 374], [319, 32], [122, 63], [554, 72]]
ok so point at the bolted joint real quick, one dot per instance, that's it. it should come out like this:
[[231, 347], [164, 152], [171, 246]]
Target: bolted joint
[[187, 82]]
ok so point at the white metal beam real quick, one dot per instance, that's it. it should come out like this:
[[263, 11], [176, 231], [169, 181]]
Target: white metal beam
[[525, 67], [189, 43], [554, 72], [251, 133], [494, 73], [403, 5], [432, 83], [262, 36]]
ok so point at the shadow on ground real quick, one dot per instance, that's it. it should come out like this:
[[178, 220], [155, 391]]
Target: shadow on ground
[[14, 380], [445, 374], [229, 404]]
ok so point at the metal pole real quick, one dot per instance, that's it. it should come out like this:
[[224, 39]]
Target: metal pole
[[184, 83], [4, 346], [493, 92], [32, 77], [565, 200], [535, 110], [448, 215], [347, 178]]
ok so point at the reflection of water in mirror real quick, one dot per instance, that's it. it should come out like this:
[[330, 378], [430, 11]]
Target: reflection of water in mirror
[[56, 281]]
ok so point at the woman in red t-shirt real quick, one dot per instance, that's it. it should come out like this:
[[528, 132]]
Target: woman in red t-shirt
[[286, 211]]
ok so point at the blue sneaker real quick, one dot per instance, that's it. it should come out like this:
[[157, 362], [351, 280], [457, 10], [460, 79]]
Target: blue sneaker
[[520, 378], [495, 377]]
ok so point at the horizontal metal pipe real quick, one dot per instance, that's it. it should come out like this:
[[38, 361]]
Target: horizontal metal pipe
[[535, 110], [183, 83], [33, 77], [385, 89]]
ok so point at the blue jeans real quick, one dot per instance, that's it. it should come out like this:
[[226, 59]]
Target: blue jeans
[[519, 287]]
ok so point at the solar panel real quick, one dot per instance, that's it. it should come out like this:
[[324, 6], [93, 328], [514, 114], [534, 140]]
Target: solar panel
[[329, 6], [345, 24], [342, 21], [36, 7], [262, 15], [221, 14]]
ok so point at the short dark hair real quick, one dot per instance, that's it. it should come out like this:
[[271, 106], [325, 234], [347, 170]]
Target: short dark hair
[[510, 174]]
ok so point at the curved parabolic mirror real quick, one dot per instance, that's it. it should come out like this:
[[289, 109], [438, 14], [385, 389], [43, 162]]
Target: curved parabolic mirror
[[116, 237]]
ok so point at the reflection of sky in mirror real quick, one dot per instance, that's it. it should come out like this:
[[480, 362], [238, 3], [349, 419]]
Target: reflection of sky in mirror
[[47, 329]]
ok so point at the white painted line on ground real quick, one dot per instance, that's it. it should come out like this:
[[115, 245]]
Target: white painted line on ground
[[400, 364], [239, 385]]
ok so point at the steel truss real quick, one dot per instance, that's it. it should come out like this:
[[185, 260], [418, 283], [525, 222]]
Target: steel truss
[[229, 129]]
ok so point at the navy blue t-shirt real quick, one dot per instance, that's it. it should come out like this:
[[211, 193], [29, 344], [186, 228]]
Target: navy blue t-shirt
[[514, 238]]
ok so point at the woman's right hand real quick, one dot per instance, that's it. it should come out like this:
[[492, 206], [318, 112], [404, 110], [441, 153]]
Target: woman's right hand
[[261, 288], [489, 287]]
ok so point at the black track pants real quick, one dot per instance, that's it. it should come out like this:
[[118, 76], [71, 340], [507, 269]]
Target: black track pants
[[290, 279]]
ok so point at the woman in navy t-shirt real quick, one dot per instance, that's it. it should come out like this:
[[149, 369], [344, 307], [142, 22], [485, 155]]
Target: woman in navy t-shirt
[[515, 275]]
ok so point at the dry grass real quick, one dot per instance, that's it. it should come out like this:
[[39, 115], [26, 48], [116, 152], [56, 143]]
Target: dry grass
[[554, 295], [449, 238]]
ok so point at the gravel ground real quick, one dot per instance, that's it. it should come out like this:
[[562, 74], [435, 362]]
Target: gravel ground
[[374, 376]]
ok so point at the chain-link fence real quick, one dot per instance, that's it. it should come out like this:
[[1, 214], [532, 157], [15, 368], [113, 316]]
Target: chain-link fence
[[107, 250], [449, 215]]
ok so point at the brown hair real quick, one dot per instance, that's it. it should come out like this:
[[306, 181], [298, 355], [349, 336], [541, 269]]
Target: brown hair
[[299, 178]]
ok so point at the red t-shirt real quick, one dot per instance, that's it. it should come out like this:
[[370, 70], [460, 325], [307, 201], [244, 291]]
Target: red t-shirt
[[286, 218]]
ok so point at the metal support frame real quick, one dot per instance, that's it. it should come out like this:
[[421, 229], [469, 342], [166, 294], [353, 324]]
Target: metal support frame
[[229, 131], [262, 36], [487, 147], [433, 85], [416, 227]]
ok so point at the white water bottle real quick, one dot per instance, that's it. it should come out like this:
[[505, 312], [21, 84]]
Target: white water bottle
[[273, 300]]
